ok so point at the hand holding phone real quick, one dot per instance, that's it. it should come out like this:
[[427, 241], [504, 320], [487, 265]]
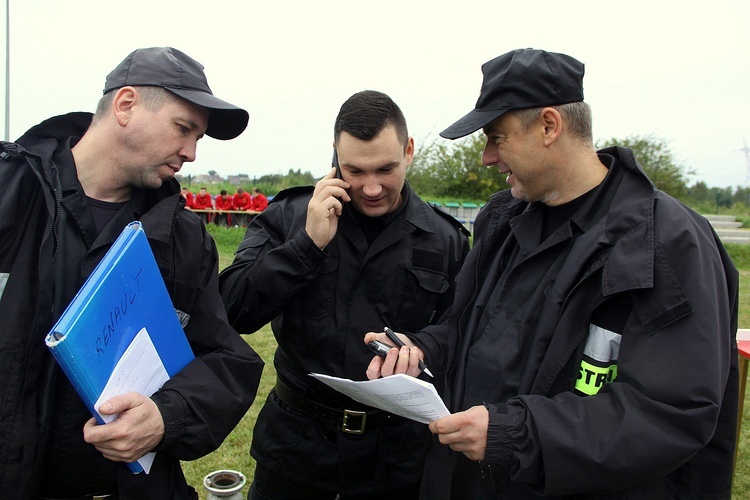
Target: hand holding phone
[[335, 163], [381, 349], [326, 206]]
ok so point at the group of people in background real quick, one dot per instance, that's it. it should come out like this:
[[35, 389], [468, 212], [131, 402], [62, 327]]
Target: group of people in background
[[240, 201]]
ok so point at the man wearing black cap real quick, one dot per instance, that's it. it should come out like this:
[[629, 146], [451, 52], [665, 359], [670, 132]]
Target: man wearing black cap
[[590, 348], [71, 184]]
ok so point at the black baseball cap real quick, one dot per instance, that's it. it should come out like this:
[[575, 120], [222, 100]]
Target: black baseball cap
[[183, 76], [522, 78]]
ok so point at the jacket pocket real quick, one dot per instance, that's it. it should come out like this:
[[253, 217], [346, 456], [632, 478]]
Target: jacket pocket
[[420, 292], [317, 302], [11, 435], [429, 280], [8, 377], [281, 429], [251, 245], [19, 304]]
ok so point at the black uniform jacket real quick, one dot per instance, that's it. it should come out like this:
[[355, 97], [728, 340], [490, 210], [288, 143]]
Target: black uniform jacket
[[200, 405], [659, 419], [322, 303]]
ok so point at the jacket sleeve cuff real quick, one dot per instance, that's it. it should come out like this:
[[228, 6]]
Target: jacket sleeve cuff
[[173, 410], [502, 433], [308, 252]]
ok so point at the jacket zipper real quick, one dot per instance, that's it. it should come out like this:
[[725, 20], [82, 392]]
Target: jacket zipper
[[54, 252], [21, 154]]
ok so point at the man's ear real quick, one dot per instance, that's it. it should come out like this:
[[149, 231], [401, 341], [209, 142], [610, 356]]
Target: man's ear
[[409, 153], [122, 104], [552, 122]]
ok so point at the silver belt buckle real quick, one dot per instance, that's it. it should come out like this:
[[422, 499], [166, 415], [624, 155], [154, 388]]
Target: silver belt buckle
[[362, 415]]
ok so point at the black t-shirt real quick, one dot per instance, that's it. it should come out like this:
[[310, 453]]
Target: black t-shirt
[[373, 226], [103, 211], [554, 217]]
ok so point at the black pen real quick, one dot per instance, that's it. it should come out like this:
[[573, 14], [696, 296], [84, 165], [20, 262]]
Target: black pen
[[399, 343]]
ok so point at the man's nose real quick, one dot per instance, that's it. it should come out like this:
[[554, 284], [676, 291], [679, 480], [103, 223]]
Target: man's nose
[[489, 155], [372, 188], [189, 151]]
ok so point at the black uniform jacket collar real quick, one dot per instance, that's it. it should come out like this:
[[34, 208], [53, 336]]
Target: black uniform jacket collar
[[618, 237], [157, 207], [415, 217]]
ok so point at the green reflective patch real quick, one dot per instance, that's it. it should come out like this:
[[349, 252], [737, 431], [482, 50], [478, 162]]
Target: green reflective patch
[[592, 378]]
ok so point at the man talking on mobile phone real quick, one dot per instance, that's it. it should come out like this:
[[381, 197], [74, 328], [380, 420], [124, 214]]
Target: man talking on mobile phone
[[324, 264]]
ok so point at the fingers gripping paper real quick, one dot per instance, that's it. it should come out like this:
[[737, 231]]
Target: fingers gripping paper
[[138, 370]]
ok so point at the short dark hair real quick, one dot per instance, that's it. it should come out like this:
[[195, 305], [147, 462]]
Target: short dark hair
[[365, 114], [223, 192]]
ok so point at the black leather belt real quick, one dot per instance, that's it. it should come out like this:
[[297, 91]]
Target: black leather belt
[[349, 421]]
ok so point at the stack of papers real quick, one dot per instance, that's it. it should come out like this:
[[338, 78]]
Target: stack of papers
[[399, 394]]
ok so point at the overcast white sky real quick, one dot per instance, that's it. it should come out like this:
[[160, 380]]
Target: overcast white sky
[[677, 71]]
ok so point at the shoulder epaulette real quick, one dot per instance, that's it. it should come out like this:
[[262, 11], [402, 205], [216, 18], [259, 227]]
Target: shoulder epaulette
[[292, 191], [449, 218], [9, 150]]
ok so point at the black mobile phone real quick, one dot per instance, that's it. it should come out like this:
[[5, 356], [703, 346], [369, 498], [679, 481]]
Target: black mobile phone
[[379, 348], [335, 163]]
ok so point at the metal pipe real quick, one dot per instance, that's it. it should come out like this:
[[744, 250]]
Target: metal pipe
[[224, 485]]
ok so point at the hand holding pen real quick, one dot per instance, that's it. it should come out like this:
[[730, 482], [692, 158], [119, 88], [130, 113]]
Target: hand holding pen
[[382, 349]]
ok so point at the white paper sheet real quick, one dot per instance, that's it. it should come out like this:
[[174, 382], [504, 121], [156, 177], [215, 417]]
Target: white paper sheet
[[400, 394], [139, 370]]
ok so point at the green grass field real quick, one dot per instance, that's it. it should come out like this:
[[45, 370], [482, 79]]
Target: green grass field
[[234, 452]]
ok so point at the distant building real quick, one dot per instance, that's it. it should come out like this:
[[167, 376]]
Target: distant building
[[239, 179], [207, 179]]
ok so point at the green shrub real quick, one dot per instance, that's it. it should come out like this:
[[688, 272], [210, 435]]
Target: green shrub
[[740, 255]]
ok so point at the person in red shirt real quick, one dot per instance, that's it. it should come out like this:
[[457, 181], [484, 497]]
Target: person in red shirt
[[203, 201], [259, 201], [223, 202], [242, 201], [185, 192]]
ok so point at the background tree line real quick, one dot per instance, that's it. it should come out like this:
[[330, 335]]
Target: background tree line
[[269, 184], [453, 171]]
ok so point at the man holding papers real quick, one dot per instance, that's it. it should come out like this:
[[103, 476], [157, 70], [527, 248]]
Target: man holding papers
[[359, 250], [71, 184], [590, 350]]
